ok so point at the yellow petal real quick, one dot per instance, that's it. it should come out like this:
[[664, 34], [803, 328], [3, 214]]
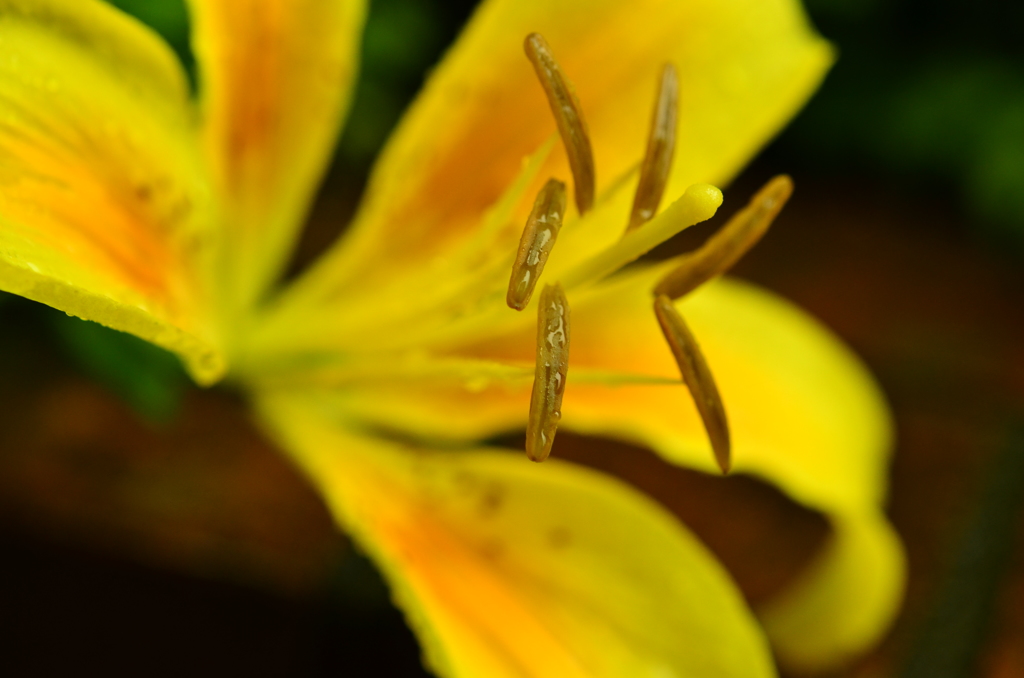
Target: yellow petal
[[803, 412], [103, 205], [507, 569], [275, 79], [745, 66], [804, 415], [856, 582]]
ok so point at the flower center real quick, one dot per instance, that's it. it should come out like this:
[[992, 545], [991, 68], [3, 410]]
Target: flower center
[[715, 257], [441, 323]]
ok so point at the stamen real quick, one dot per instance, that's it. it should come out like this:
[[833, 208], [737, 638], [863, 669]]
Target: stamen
[[568, 116], [549, 375], [661, 146], [536, 244], [698, 203], [724, 248], [697, 376]]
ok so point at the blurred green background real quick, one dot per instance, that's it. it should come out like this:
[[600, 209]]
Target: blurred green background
[[928, 97]]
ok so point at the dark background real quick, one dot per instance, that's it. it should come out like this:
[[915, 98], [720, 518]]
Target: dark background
[[146, 529]]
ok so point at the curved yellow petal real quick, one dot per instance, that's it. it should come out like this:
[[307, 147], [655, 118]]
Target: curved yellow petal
[[745, 66], [509, 569], [855, 583], [275, 79], [104, 208], [804, 414], [804, 410]]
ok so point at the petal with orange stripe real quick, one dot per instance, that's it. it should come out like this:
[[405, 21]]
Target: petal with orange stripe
[[275, 80], [803, 412], [508, 569], [745, 67], [104, 206]]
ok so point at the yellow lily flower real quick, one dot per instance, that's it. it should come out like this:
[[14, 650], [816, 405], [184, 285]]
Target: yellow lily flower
[[124, 202]]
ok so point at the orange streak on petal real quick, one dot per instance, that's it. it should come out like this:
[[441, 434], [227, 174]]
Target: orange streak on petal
[[252, 89], [104, 227], [474, 603], [482, 111]]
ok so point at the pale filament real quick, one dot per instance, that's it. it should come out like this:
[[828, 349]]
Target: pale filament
[[724, 248], [568, 116], [661, 144], [535, 246], [550, 372], [697, 377]]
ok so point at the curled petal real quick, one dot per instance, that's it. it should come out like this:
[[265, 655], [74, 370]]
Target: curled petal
[[861, 572]]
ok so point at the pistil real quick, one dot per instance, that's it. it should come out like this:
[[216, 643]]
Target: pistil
[[728, 245], [698, 202]]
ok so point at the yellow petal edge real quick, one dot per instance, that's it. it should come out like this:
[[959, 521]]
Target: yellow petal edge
[[103, 202], [507, 569], [805, 415], [204, 362], [276, 79]]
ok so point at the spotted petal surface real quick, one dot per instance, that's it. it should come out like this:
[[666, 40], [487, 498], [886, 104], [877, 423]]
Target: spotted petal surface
[[508, 569], [104, 205]]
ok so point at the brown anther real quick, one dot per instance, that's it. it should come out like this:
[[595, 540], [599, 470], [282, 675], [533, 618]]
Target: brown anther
[[549, 377], [697, 377], [536, 244], [725, 247], [568, 116], [661, 146]]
